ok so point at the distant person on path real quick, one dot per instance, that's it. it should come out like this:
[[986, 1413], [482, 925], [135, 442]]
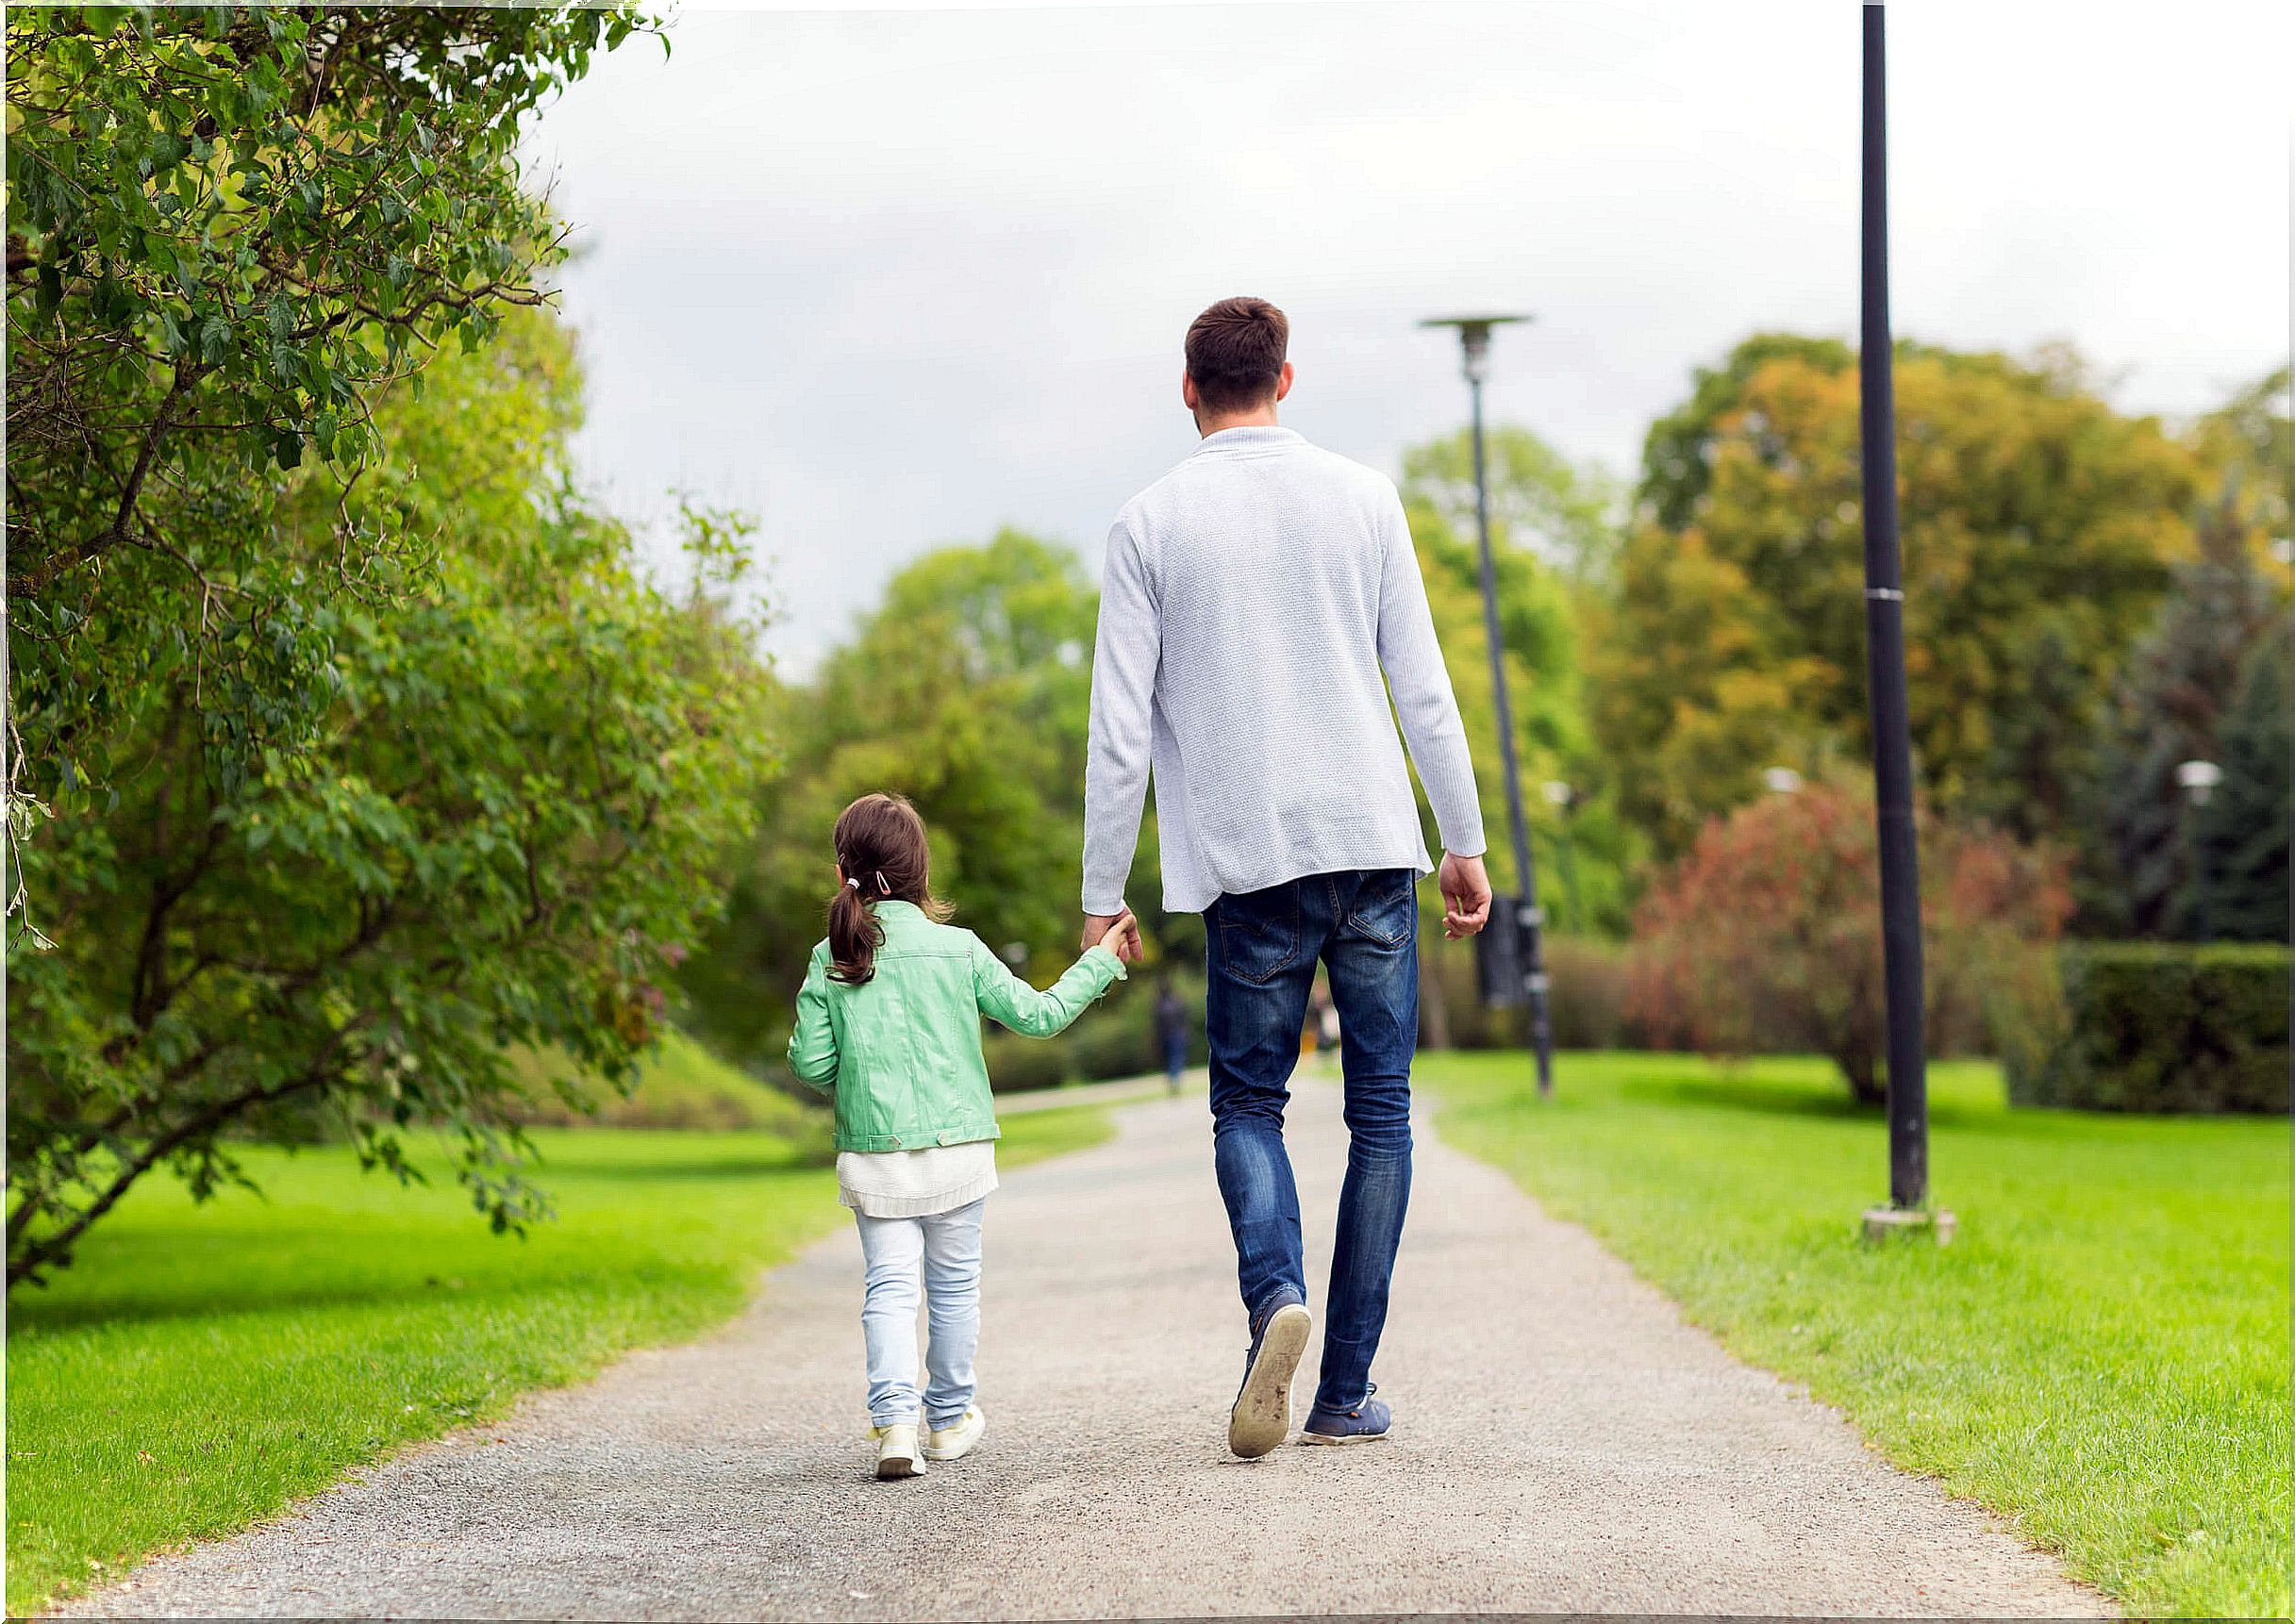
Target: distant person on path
[[1259, 603], [1171, 1026], [889, 1024], [1323, 1013]]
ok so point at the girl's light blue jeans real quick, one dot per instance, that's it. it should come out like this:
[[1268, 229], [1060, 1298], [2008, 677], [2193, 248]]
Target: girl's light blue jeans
[[938, 1257]]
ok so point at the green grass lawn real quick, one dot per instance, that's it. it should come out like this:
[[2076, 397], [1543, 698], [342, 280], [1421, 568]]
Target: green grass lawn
[[2102, 1354], [200, 1368]]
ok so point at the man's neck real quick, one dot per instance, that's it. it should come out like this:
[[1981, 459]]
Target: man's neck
[[1258, 417]]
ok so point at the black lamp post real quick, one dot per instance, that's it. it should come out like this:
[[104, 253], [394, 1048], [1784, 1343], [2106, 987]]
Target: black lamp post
[[1523, 944], [1885, 670]]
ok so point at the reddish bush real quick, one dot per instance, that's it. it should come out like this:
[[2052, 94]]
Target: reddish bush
[[1767, 934]]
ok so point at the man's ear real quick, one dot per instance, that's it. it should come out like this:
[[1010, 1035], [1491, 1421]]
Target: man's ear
[[1186, 391], [1283, 381]]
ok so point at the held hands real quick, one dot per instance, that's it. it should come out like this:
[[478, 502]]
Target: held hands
[[1118, 933], [1466, 896]]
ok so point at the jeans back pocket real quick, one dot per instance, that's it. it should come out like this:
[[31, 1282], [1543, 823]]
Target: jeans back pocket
[[1259, 933], [1386, 906]]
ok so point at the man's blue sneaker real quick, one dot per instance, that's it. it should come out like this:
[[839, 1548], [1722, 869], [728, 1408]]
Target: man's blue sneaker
[[1368, 1420], [1262, 1415]]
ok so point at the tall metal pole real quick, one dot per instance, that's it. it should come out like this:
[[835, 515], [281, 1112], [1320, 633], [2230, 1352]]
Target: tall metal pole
[[1525, 942], [1474, 339], [1885, 662]]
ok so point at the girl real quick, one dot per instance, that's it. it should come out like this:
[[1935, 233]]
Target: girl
[[889, 1023]]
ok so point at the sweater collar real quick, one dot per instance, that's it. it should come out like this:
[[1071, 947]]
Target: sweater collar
[[1250, 437]]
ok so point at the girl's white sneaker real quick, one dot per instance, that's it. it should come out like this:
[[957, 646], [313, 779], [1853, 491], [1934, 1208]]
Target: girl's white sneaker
[[955, 1440], [897, 1455]]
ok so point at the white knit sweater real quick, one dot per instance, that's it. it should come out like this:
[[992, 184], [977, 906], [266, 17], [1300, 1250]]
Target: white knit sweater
[[919, 1182], [1252, 599]]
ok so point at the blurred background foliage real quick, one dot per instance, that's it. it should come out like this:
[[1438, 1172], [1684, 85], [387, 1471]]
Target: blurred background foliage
[[2095, 598]]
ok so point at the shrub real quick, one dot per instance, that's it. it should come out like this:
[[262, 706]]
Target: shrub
[[1117, 1039], [1586, 999], [1767, 934], [1451, 1013], [2152, 1026], [1114, 1038], [1018, 1064]]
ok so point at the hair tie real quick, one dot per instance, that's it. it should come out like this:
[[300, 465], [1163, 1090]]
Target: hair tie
[[854, 884]]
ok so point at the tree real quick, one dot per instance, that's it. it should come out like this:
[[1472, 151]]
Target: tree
[[2240, 835], [1584, 862], [2250, 440], [2137, 871], [968, 691], [1565, 514], [1679, 451], [231, 231], [1767, 936], [1690, 693], [2039, 529], [502, 827], [1585, 852]]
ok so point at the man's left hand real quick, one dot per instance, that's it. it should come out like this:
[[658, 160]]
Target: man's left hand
[[1466, 896]]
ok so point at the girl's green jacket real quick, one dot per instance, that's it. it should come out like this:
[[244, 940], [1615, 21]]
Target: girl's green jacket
[[901, 1052]]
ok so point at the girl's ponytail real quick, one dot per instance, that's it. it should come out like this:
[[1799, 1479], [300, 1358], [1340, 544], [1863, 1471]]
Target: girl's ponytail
[[882, 853], [853, 936]]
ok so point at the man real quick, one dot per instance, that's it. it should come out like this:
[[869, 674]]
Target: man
[[1251, 599]]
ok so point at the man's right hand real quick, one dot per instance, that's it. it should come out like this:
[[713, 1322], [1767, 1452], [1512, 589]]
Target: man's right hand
[[1119, 932], [1466, 896]]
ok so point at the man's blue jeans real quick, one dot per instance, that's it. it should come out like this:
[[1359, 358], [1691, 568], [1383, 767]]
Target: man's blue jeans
[[1263, 947]]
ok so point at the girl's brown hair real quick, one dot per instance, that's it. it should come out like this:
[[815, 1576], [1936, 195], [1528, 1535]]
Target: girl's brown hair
[[881, 848]]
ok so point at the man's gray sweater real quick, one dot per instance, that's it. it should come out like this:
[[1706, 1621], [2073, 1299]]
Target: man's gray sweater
[[1251, 600]]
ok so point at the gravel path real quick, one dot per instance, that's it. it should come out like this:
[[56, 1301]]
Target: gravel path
[[1564, 1443]]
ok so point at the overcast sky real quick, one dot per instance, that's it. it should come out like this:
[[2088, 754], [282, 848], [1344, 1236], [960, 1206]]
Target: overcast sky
[[892, 280]]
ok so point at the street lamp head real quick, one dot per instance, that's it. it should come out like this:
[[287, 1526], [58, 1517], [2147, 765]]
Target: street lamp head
[[1557, 793], [2199, 780], [1780, 779], [1473, 338]]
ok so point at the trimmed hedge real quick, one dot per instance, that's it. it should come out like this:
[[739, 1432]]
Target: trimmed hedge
[[2155, 1026]]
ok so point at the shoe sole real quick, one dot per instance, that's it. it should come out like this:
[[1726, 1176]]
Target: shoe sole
[[961, 1450], [1262, 1415], [1327, 1440]]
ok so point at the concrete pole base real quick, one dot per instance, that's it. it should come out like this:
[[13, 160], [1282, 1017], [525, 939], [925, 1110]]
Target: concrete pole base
[[1883, 1222]]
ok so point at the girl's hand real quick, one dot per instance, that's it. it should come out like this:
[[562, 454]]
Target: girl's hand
[[1123, 938]]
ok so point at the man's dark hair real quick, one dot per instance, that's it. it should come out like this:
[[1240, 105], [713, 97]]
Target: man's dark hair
[[1235, 354]]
